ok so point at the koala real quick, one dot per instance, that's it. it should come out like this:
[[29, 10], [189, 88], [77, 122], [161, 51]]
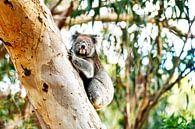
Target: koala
[[97, 82]]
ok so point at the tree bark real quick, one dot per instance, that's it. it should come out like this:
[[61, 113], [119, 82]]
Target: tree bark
[[39, 55]]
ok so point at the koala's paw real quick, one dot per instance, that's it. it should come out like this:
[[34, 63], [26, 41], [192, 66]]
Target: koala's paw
[[89, 73], [97, 100], [76, 63]]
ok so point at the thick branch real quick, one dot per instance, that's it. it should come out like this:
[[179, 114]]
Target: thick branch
[[113, 17], [40, 58]]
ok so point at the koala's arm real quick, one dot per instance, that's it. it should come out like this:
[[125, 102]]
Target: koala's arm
[[100, 90], [83, 66]]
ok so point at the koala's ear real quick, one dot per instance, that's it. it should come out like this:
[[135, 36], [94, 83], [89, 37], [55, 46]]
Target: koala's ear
[[94, 38], [74, 37]]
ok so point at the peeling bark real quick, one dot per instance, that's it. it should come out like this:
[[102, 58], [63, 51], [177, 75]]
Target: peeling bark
[[41, 60]]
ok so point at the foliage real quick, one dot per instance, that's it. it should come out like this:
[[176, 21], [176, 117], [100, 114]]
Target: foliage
[[12, 111], [176, 122], [7, 68], [28, 123]]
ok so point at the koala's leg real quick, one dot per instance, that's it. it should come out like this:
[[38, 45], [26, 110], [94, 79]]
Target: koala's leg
[[83, 66], [100, 90]]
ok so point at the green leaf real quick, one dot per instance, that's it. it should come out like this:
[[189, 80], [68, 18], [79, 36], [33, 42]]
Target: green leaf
[[180, 4], [76, 13], [187, 100], [154, 1], [113, 5], [89, 4], [97, 12]]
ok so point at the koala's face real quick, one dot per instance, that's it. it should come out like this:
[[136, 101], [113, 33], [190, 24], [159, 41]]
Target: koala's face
[[84, 45]]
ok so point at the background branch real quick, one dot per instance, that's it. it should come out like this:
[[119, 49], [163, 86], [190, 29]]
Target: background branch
[[53, 9], [113, 17]]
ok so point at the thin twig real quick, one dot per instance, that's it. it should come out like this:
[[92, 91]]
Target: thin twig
[[66, 13], [55, 6]]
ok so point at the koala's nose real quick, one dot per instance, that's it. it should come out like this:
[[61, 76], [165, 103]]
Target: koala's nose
[[83, 45]]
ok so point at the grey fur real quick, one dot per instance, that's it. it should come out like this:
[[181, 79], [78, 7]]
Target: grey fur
[[99, 86]]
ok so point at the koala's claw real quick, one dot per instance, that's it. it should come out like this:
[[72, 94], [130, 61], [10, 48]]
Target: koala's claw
[[97, 101], [69, 54]]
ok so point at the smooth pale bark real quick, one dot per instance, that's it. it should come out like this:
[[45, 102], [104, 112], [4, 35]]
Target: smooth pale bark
[[40, 58]]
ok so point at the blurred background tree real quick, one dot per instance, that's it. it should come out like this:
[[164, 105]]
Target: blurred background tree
[[148, 48]]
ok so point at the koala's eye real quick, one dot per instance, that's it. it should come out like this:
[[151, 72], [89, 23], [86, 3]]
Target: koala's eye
[[82, 42]]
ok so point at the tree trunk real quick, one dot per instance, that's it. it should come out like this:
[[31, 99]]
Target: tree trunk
[[41, 60]]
